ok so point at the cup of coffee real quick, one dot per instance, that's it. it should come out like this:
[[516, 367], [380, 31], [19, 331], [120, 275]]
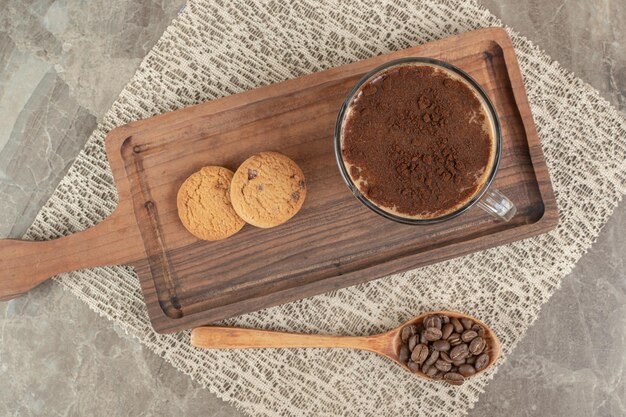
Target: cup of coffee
[[418, 141]]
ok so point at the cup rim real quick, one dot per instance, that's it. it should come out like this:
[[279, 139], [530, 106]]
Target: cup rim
[[488, 104]]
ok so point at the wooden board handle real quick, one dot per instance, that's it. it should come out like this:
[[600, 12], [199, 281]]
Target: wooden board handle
[[26, 264], [236, 338]]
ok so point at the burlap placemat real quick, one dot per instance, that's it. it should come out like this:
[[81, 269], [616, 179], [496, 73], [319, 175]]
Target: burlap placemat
[[218, 48]]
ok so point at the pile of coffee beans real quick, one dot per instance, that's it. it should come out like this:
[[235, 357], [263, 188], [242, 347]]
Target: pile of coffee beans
[[445, 348]]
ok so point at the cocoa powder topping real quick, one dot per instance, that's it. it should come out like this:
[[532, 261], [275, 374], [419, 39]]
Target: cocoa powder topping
[[416, 141]]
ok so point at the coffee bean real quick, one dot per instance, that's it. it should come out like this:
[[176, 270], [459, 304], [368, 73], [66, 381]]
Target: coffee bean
[[432, 333], [468, 335], [432, 321], [481, 362], [444, 347], [442, 365], [459, 352], [477, 345], [441, 345], [467, 370], [431, 371], [413, 366], [467, 323], [420, 353], [455, 339], [458, 327], [479, 329], [407, 332], [453, 378], [434, 355], [404, 354]]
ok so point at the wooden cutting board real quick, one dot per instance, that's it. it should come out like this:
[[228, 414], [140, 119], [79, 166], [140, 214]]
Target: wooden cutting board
[[333, 242]]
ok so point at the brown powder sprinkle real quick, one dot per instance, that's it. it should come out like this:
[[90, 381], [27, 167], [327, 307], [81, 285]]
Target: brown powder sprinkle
[[415, 141]]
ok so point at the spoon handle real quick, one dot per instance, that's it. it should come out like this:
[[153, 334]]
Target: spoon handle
[[238, 338]]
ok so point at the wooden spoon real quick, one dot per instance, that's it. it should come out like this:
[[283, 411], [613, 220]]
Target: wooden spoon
[[387, 344]]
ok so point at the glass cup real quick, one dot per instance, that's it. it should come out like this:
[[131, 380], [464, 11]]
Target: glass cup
[[487, 198]]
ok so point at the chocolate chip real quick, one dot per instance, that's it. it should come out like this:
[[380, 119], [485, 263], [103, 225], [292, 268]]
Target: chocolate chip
[[295, 196], [252, 174]]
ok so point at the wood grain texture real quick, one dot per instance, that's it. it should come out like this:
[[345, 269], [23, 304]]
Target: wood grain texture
[[386, 344], [334, 241]]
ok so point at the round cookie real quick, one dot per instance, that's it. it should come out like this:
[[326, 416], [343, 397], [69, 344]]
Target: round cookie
[[204, 204], [268, 189]]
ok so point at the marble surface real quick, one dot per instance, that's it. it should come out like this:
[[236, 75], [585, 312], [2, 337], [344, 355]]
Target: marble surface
[[63, 62]]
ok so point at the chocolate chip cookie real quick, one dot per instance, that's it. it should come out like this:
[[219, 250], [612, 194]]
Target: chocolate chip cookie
[[268, 189], [204, 204]]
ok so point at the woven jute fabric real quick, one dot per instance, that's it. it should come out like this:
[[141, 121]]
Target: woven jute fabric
[[218, 48]]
